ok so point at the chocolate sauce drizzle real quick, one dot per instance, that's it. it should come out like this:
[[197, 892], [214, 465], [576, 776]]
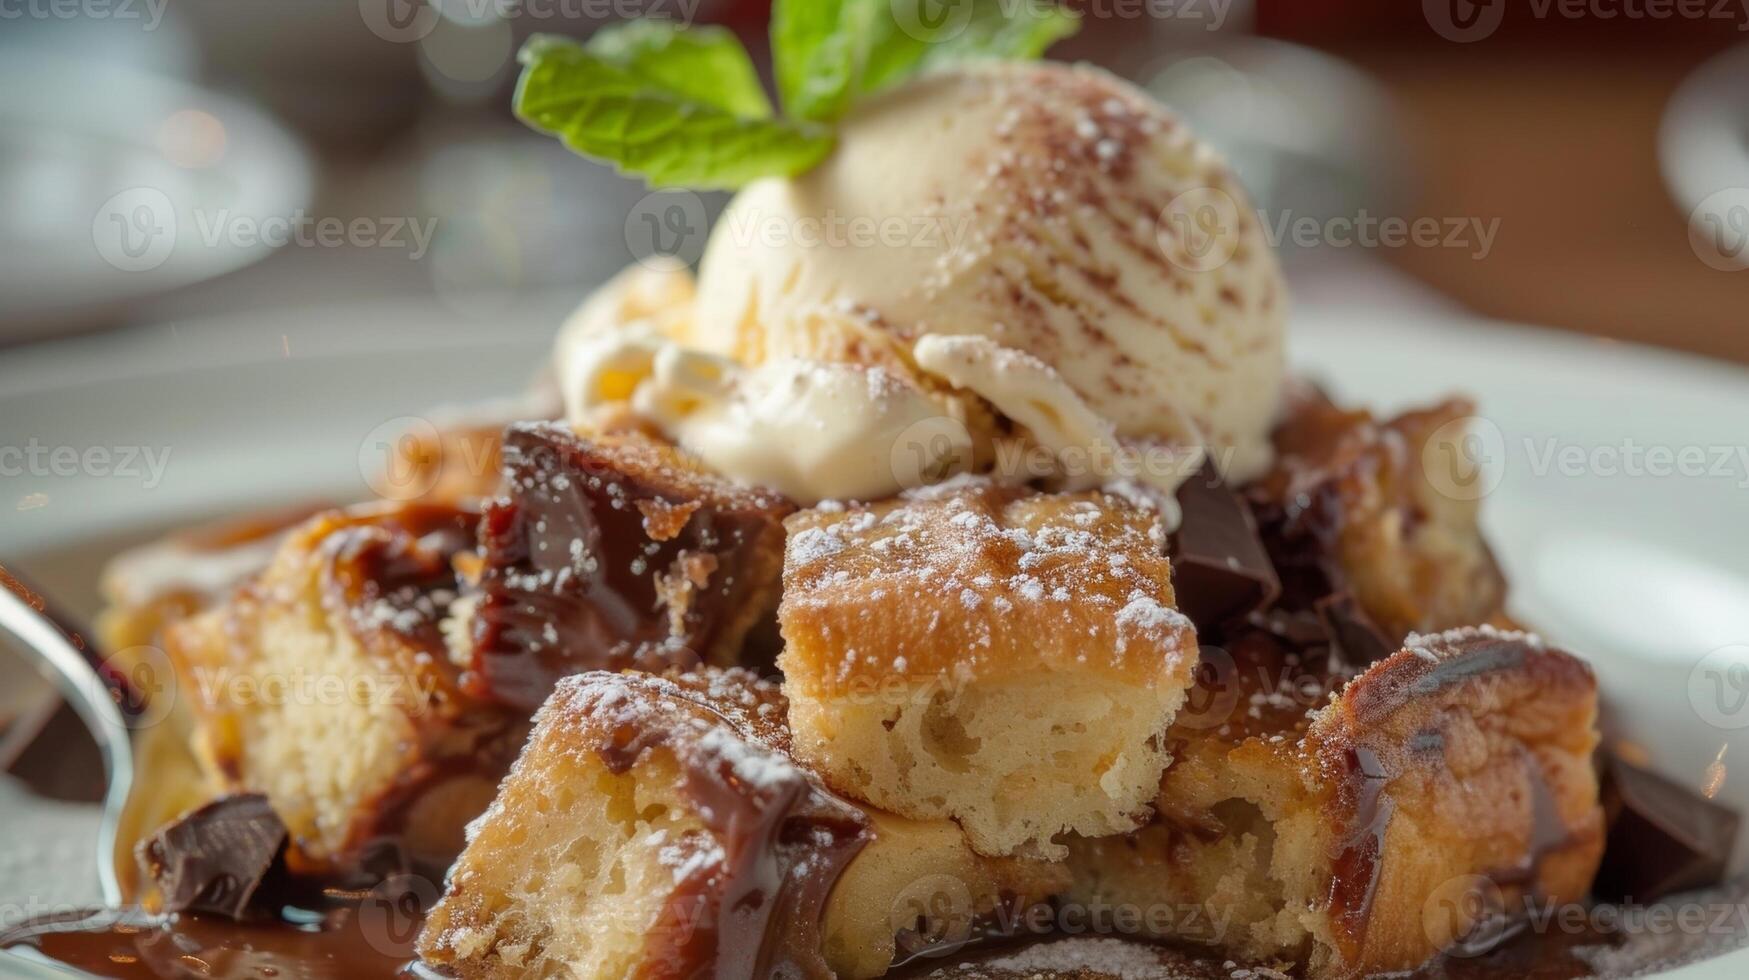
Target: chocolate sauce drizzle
[[785, 839], [605, 557]]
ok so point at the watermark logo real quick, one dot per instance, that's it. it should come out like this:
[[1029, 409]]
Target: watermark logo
[[933, 20], [399, 458], [1199, 230], [1468, 458], [665, 227], [1466, 916], [142, 683], [932, 916], [1718, 229], [399, 21], [929, 451], [1465, 459], [391, 916], [1213, 698], [138, 229], [1718, 687], [1464, 21], [135, 230]]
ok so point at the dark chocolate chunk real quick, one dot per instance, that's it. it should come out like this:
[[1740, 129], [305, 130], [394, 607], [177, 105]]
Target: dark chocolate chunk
[[615, 554], [1354, 639], [1220, 570], [213, 858], [1664, 838]]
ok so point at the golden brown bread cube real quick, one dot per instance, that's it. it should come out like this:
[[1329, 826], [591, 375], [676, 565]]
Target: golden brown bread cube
[[1364, 835], [1005, 658], [146, 590], [454, 453], [1383, 509], [149, 587], [615, 551], [659, 827], [324, 683]]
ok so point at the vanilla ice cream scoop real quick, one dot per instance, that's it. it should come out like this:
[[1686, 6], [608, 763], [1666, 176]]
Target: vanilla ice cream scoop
[[814, 430], [1055, 210]]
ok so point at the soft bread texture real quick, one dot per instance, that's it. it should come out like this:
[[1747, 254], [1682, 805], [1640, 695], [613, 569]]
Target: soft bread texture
[[598, 858], [323, 683], [1360, 837], [1004, 658], [147, 590], [1384, 508]]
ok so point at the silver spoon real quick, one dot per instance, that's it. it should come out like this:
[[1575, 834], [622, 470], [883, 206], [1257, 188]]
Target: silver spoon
[[43, 642]]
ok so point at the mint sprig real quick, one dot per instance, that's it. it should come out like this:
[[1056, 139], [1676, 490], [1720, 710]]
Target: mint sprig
[[829, 54], [678, 107], [683, 107]]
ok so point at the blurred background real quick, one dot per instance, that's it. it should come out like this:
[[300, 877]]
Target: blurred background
[[1575, 163]]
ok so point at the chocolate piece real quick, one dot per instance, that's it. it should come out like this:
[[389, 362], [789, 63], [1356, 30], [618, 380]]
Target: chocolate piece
[[213, 858], [612, 555], [1353, 637], [1664, 838], [1220, 570]]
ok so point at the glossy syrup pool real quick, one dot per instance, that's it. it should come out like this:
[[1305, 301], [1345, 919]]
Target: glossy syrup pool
[[374, 940]]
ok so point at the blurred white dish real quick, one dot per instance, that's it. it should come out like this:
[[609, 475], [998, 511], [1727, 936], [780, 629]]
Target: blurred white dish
[[1646, 575], [119, 184]]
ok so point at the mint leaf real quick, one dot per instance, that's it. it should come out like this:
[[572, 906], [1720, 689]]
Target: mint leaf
[[704, 63], [831, 53], [641, 98], [998, 30]]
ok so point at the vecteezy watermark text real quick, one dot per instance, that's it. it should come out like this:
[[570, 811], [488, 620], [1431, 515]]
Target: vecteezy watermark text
[[138, 229], [305, 230], [35, 458], [1465, 21], [407, 21], [149, 13]]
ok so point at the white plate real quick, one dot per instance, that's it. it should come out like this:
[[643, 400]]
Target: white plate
[[156, 174], [1646, 575]]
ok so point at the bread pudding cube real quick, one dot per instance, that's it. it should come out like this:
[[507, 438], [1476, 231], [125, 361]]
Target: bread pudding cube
[[324, 683], [1005, 658], [1415, 813], [658, 827], [614, 552]]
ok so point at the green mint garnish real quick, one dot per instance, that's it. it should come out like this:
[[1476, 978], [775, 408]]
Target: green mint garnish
[[683, 107], [678, 107], [829, 54]]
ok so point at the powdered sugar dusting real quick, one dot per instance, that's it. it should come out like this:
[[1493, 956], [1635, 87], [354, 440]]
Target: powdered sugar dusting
[[986, 570]]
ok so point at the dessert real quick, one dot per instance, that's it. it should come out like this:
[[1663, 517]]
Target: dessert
[[659, 827], [1365, 507], [1336, 834], [614, 552], [148, 587], [324, 683], [1041, 223], [946, 654], [884, 607]]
